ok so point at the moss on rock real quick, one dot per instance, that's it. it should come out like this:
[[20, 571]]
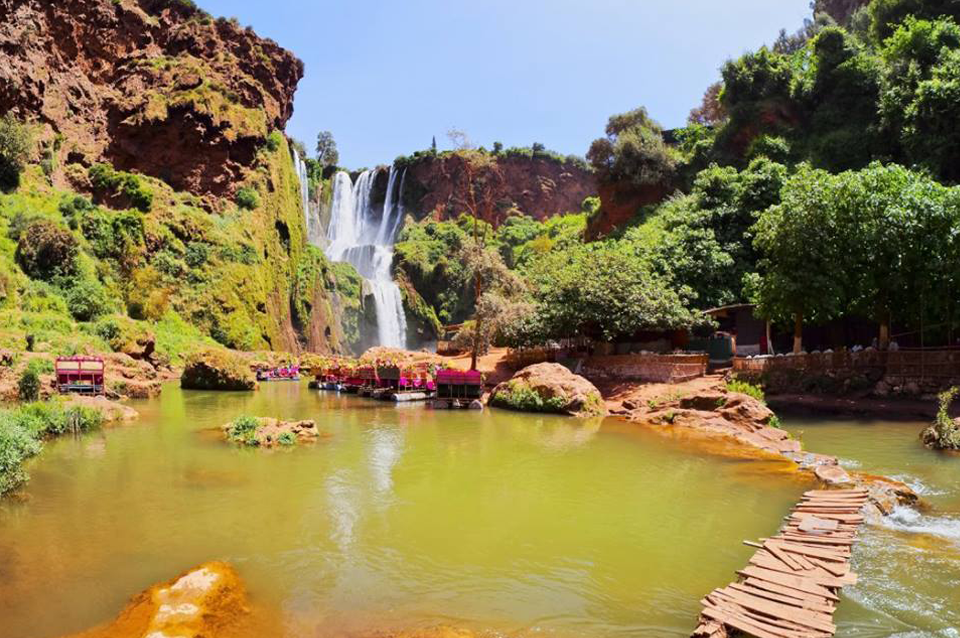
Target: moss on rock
[[217, 369]]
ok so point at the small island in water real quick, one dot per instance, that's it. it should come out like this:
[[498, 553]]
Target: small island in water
[[695, 379]]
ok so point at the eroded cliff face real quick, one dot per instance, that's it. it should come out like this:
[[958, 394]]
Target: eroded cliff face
[[538, 187], [151, 86]]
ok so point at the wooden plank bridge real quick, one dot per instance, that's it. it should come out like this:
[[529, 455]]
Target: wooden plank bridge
[[790, 588]]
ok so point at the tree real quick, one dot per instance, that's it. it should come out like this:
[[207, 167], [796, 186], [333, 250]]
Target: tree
[[633, 151], [327, 153], [459, 139], [711, 111], [803, 263], [433, 145], [16, 144]]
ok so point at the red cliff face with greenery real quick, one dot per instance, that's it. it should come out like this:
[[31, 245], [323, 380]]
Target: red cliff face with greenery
[[155, 86], [539, 185]]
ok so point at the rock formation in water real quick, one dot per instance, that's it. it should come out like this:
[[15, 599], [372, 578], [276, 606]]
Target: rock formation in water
[[549, 387], [540, 187], [268, 432], [209, 600], [154, 86]]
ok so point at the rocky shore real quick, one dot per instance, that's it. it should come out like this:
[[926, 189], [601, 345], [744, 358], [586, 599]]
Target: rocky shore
[[706, 408]]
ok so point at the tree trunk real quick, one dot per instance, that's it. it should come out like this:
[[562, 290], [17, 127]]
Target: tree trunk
[[798, 333], [884, 342]]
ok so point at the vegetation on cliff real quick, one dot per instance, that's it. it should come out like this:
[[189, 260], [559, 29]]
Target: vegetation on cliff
[[944, 432]]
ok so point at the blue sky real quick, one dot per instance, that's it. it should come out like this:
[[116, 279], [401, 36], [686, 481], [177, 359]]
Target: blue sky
[[386, 76]]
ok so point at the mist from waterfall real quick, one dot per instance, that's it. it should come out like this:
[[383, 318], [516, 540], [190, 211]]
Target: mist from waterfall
[[364, 237], [311, 214]]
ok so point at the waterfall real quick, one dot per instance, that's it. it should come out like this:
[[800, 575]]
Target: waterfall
[[359, 235], [311, 214]]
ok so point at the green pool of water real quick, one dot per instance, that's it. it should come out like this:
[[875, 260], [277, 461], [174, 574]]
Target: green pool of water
[[910, 565], [403, 518]]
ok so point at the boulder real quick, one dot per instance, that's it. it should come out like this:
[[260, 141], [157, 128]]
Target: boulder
[[208, 600], [832, 474], [217, 369], [549, 387]]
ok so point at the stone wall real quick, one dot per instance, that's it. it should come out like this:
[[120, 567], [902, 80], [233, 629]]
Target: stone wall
[[908, 372], [654, 368]]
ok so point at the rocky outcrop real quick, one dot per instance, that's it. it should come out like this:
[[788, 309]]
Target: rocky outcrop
[[269, 432], [549, 387], [538, 187], [208, 600], [152, 86], [217, 369]]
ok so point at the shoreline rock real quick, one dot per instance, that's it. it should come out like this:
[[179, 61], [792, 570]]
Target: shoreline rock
[[218, 370], [549, 387], [748, 422]]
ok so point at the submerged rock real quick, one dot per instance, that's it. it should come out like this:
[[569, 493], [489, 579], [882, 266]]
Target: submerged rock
[[206, 601], [217, 370], [267, 432], [549, 387]]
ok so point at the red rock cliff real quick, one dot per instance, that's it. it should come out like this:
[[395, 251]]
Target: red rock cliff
[[152, 86], [538, 187]]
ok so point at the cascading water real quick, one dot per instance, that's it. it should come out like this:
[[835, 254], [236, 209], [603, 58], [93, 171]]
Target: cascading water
[[311, 214], [364, 239]]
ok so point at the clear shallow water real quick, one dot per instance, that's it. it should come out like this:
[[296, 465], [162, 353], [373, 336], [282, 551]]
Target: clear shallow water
[[403, 518], [910, 566]]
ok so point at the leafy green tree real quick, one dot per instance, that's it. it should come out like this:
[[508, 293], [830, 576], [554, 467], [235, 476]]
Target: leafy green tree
[[803, 262], [327, 153], [885, 15], [16, 144], [633, 151]]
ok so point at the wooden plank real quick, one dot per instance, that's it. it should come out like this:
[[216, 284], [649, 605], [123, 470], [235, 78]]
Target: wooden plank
[[807, 550], [796, 582], [783, 556], [748, 625], [782, 598], [788, 591], [817, 575], [776, 624], [806, 617], [816, 540], [845, 518], [837, 569]]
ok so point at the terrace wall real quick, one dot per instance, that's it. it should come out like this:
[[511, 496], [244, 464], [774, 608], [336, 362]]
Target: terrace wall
[[898, 372]]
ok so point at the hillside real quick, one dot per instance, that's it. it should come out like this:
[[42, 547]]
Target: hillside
[[158, 185]]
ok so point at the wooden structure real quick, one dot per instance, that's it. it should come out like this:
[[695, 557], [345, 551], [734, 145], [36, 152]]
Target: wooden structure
[[790, 588], [83, 375]]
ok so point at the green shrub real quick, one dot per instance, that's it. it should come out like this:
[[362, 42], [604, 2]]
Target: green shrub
[[247, 198], [243, 430], [743, 387], [41, 366], [520, 396], [45, 251], [274, 140], [16, 446], [104, 177], [28, 387], [287, 438], [16, 144], [87, 300], [73, 207]]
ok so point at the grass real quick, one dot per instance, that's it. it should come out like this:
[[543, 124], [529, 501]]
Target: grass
[[23, 429], [243, 430], [750, 389]]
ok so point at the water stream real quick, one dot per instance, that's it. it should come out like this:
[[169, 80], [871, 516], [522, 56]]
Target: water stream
[[311, 212], [910, 566], [364, 237]]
